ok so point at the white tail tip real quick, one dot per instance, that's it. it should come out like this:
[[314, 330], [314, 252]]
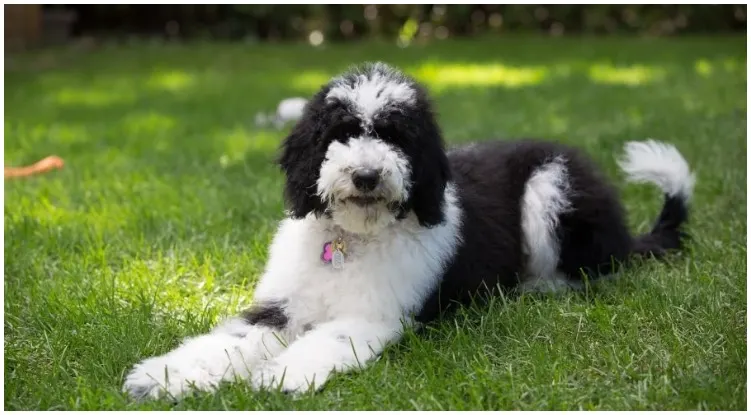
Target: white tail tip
[[659, 163]]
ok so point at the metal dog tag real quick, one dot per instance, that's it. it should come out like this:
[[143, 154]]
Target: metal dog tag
[[337, 259]]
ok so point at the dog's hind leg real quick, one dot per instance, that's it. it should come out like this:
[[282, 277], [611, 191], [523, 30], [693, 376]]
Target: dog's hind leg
[[545, 199]]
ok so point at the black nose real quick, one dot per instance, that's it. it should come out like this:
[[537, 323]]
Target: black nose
[[365, 180]]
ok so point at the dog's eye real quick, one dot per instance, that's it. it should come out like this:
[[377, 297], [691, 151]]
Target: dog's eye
[[385, 129], [348, 126]]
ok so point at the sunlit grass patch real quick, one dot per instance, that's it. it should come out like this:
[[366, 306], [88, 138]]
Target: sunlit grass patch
[[440, 76], [310, 81], [629, 75], [95, 96], [173, 80]]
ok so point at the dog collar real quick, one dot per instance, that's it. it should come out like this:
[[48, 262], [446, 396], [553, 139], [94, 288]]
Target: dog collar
[[333, 253]]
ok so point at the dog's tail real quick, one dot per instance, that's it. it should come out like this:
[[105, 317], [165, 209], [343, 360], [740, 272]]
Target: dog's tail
[[661, 164]]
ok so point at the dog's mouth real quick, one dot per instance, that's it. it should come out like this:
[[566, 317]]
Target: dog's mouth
[[365, 200]]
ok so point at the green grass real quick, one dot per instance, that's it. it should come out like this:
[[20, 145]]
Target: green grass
[[159, 223]]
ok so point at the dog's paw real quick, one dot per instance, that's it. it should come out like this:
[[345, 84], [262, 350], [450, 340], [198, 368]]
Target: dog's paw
[[162, 377], [198, 364], [288, 379]]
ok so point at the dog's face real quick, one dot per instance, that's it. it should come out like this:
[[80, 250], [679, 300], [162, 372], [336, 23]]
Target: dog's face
[[367, 152]]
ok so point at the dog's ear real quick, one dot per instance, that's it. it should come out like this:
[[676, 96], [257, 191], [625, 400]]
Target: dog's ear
[[300, 159], [428, 187], [430, 171]]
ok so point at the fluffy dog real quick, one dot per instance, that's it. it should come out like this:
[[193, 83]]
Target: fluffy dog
[[386, 230]]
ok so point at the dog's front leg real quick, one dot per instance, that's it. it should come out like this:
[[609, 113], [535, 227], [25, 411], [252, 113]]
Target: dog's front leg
[[341, 345], [229, 352]]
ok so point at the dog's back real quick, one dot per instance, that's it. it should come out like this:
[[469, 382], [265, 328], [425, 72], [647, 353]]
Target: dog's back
[[541, 215]]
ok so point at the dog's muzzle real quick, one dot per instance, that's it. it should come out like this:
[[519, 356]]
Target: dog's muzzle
[[368, 184], [366, 180]]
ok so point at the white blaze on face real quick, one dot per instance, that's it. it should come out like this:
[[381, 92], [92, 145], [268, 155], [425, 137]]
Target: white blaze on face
[[371, 93], [335, 183]]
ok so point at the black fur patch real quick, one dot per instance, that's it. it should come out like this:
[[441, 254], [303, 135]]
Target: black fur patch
[[269, 314], [490, 178], [667, 233]]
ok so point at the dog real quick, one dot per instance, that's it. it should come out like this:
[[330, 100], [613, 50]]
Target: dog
[[387, 230]]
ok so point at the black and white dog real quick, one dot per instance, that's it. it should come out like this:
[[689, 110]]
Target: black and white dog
[[386, 229]]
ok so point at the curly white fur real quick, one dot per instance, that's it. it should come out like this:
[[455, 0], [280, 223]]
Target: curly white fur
[[546, 197], [335, 182], [659, 163]]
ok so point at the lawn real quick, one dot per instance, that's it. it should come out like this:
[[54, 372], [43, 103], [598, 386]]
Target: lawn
[[159, 223]]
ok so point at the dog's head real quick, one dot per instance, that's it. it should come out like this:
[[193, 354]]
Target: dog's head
[[367, 152]]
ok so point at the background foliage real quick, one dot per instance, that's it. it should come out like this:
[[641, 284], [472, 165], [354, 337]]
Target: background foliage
[[405, 22]]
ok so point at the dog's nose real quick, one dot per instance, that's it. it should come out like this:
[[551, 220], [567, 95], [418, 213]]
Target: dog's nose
[[365, 180]]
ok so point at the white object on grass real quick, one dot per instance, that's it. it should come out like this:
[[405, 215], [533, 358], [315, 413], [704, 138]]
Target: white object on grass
[[288, 110]]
